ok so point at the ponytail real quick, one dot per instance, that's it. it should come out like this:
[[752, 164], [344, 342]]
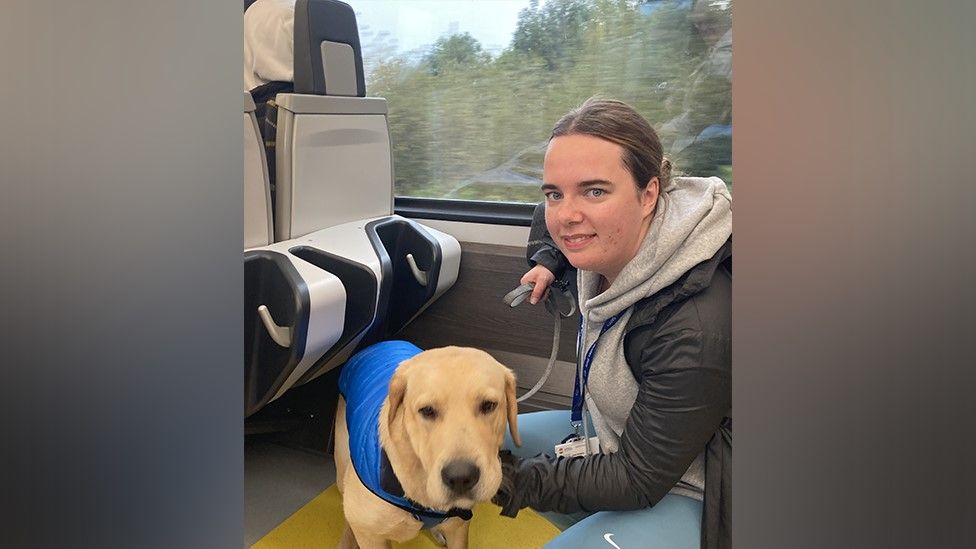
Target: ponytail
[[665, 177]]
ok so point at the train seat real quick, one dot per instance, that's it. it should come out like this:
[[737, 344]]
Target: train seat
[[258, 227], [293, 310], [334, 226]]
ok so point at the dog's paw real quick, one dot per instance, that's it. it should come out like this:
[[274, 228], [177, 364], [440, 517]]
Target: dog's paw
[[439, 538]]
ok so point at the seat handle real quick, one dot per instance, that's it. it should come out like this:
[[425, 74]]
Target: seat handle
[[280, 334], [419, 275]]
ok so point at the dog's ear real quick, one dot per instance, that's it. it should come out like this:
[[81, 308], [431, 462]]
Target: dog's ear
[[512, 404], [398, 388]]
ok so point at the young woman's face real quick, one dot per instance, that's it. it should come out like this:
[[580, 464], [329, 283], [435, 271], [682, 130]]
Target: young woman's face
[[594, 211]]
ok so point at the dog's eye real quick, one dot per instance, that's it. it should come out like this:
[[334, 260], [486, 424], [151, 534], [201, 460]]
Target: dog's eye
[[428, 412], [488, 406]]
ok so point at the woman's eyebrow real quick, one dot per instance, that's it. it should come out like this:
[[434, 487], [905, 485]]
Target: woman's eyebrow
[[582, 184]]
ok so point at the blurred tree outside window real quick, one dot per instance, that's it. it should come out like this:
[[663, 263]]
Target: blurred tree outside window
[[470, 118]]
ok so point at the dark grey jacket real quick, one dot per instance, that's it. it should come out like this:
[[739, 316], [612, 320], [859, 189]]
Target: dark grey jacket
[[678, 346]]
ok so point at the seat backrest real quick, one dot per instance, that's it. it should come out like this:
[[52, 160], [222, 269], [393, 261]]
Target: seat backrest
[[257, 190], [334, 161], [328, 57]]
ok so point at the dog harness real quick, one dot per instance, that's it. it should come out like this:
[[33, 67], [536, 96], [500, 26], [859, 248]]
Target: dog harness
[[364, 383]]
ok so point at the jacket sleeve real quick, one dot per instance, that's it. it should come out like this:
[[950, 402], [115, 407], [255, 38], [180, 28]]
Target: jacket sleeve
[[684, 393], [541, 249]]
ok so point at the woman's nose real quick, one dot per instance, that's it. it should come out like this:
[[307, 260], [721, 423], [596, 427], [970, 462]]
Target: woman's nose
[[569, 211]]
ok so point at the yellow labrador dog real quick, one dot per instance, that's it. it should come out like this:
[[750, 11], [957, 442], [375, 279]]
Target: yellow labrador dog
[[440, 428]]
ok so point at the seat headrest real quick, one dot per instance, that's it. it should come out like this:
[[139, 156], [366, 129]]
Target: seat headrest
[[328, 57]]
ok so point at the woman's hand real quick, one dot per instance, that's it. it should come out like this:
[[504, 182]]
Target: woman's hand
[[542, 278], [506, 490]]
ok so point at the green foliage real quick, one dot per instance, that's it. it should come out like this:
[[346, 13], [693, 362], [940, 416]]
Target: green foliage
[[555, 33], [466, 125], [458, 51]]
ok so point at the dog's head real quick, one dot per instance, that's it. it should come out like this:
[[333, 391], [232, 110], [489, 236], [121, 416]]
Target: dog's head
[[443, 423]]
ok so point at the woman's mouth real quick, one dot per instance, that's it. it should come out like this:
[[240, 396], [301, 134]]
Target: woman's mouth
[[577, 241]]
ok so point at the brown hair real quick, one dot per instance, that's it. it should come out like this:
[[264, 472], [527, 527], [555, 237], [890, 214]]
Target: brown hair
[[619, 123]]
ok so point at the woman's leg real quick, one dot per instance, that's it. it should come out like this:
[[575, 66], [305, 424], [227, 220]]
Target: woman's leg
[[674, 523], [540, 433]]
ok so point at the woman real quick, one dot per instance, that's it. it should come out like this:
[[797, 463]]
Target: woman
[[654, 279]]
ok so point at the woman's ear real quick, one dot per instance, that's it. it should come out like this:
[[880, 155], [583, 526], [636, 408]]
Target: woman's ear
[[649, 195]]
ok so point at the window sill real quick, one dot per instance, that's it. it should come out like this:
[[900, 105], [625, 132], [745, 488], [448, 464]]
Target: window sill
[[470, 211]]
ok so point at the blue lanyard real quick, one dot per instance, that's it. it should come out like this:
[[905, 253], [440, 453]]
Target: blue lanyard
[[577, 415]]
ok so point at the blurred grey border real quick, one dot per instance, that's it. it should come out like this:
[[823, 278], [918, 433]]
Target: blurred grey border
[[121, 214], [121, 224], [855, 210]]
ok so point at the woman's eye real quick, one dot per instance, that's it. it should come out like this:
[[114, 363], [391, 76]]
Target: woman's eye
[[553, 195], [596, 193], [488, 406], [428, 412]]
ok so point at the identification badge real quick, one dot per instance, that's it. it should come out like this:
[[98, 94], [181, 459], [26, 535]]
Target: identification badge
[[577, 447]]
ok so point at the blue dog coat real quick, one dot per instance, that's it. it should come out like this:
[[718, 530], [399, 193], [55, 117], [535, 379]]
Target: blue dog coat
[[364, 384]]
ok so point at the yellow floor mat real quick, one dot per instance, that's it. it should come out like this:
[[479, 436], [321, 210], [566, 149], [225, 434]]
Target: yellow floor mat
[[320, 522]]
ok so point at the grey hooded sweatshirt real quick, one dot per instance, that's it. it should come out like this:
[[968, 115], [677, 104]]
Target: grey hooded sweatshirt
[[692, 221]]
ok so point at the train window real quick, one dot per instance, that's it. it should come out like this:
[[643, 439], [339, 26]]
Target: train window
[[474, 87]]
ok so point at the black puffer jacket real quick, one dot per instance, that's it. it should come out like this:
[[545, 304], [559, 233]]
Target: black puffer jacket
[[678, 346]]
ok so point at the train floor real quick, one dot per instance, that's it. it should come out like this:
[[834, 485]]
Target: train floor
[[278, 481]]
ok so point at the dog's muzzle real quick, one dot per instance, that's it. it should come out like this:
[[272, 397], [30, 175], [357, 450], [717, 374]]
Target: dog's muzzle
[[460, 476]]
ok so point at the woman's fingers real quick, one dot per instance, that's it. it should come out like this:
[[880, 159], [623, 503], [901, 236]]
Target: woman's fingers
[[541, 277]]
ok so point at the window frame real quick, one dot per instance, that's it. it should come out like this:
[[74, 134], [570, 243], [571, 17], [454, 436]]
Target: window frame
[[469, 211]]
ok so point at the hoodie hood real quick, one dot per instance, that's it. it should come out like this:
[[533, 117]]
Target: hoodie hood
[[692, 221]]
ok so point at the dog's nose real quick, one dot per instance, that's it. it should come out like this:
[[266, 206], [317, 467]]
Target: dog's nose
[[460, 475]]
